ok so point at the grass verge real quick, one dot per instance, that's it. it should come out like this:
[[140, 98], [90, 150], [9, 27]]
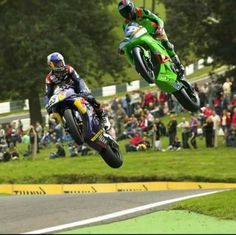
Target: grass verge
[[220, 205]]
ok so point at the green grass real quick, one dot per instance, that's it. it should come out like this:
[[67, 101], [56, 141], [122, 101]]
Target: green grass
[[205, 71], [217, 165], [221, 205], [202, 164]]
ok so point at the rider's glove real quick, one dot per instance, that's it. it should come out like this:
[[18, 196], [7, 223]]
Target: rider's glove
[[159, 32], [90, 98]]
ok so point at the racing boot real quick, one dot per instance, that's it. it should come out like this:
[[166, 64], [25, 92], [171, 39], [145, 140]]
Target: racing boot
[[180, 71], [99, 111], [105, 121], [179, 67], [103, 117]]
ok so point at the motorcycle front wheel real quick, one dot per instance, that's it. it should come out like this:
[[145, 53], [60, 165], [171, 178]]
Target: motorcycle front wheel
[[112, 156], [74, 129], [143, 65]]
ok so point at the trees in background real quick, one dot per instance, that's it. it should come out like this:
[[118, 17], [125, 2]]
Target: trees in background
[[30, 30], [203, 28], [85, 32]]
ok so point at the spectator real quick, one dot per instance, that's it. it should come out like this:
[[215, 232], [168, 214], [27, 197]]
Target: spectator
[[73, 151], [131, 125], [127, 106], [206, 110], [119, 117], [218, 102], [8, 134], [233, 87], [231, 138], [14, 155], [33, 141], [39, 130], [2, 134], [184, 125], [162, 98], [227, 89], [148, 98], [233, 122], [134, 142], [209, 132], [176, 146], [39, 134], [138, 111], [6, 156], [3, 149], [85, 150], [159, 131], [60, 152], [233, 102], [172, 129], [203, 94], [59, 131], [143, 123], [216, 125], [14, 134], [194, 124], [210, 94], [114, 104], [20, 128], [144, 145], [226, 121], [135, 99]]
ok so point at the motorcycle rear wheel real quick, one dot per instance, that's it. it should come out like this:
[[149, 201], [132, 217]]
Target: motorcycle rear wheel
[[188, 99], [142, 66], [74, 129]]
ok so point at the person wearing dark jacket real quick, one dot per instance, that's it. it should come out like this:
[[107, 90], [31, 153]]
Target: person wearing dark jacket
[[64, 74], [172, 129]]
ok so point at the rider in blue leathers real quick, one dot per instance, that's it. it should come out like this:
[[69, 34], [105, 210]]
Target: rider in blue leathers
[[62, 73]]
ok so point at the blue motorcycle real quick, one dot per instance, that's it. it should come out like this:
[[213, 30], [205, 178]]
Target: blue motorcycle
[[80, 119]]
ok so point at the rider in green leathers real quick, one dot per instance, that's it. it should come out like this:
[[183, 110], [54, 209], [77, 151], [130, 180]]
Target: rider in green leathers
[[153, 24]]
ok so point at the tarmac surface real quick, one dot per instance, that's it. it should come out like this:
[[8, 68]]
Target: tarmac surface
[[38, 214]]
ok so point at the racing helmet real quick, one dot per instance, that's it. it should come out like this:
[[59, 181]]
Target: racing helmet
[[56, 62], [127, 9]]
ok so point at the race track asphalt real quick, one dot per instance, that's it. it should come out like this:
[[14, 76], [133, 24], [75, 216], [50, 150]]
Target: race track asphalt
[[49, 214]]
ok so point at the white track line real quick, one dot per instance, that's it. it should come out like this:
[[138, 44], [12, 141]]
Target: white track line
[[115, 214]]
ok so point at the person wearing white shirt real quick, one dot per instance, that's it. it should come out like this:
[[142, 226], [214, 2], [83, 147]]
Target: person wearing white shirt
[[216, 125]]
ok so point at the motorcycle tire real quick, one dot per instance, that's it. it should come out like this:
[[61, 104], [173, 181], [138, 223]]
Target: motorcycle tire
[[188, 99], [74, 130], [142, 66], [112, 157]]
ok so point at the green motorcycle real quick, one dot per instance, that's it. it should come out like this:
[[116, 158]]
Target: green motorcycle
[[152, 62]]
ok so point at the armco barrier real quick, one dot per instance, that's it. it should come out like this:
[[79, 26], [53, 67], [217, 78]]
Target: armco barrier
[[46, 189]]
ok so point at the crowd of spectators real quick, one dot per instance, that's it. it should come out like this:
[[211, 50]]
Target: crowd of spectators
[[36, 138], [137, 118]]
